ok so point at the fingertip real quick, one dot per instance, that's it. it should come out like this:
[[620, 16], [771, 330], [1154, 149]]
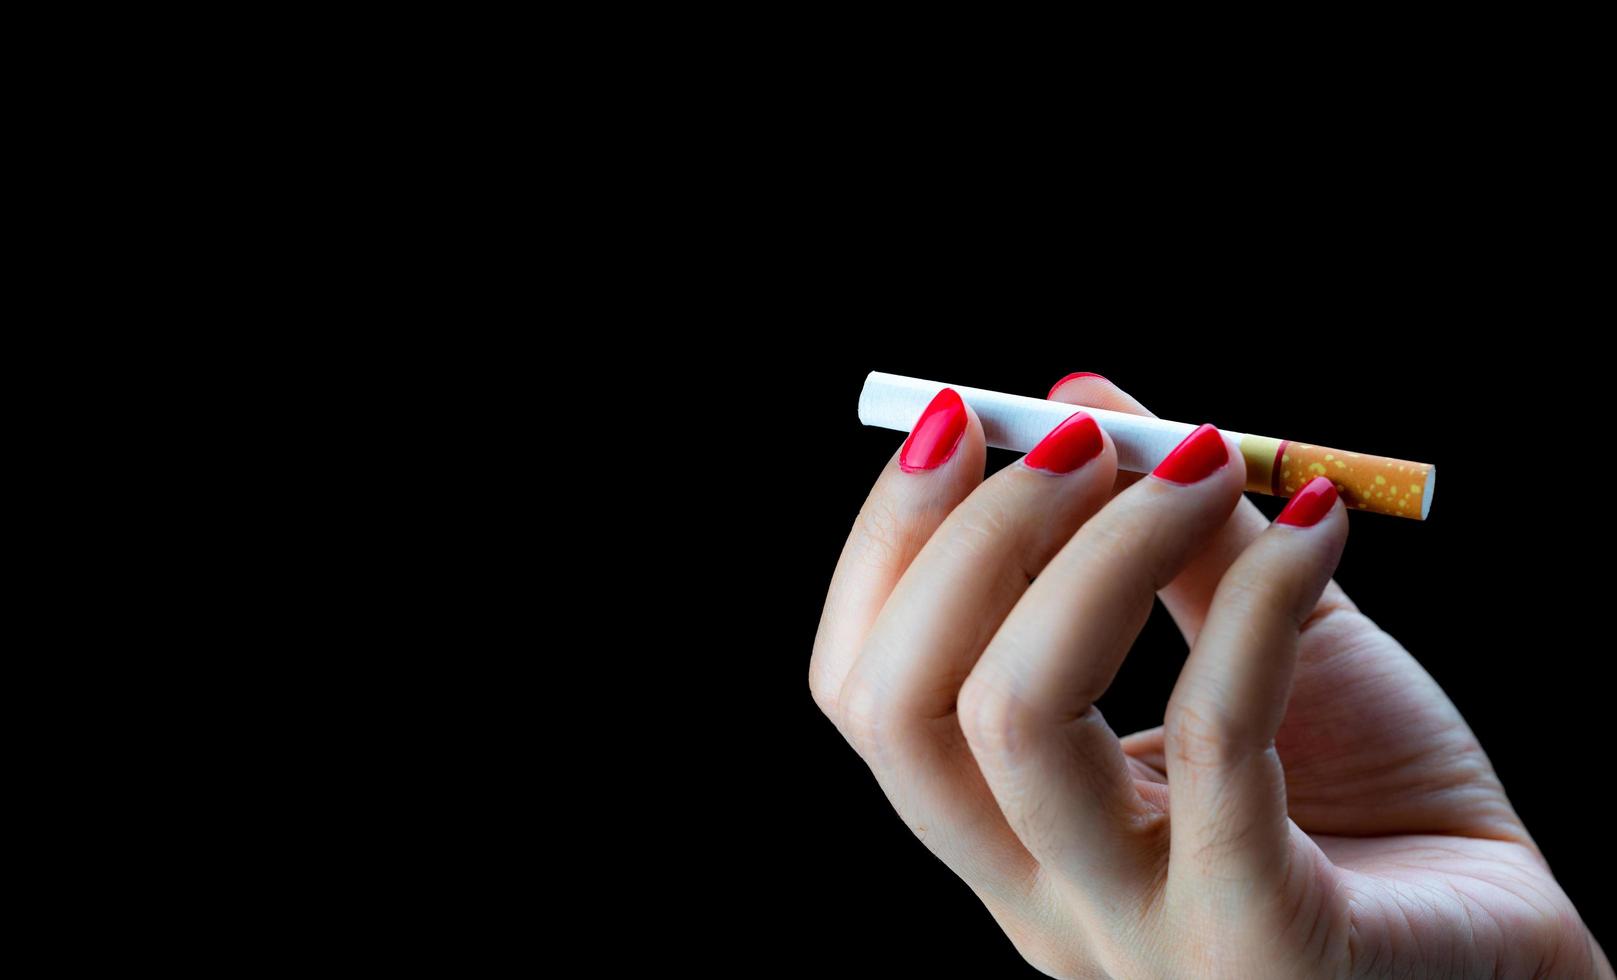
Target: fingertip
[[1313, 502], [1074, 442], [1072, 377], [1095, 391], [1232, 476], [1205, 456], [944, 427], [975, 434], [1309, 536]]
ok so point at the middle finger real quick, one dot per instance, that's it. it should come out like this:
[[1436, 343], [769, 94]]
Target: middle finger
[[898, 700]]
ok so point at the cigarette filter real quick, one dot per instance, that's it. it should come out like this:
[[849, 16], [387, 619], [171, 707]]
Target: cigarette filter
[[1273, 466]]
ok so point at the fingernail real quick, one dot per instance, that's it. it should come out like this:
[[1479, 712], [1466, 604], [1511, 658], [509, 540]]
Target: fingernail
[[1075, 374], [1195, 459], [1071, 444], [936, 434], [1312, 501]]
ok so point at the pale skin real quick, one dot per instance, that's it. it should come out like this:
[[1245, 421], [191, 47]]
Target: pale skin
[[1313, 806]]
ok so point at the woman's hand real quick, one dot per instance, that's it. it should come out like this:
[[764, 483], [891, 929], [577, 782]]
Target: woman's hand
[[1314, 806]]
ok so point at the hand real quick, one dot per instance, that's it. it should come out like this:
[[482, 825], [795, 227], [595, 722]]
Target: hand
[[1313, 806]]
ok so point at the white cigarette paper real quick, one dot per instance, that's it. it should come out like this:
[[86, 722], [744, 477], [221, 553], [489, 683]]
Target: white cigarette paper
[[1018, 422]]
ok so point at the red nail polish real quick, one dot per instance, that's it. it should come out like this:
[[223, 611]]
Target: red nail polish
[[936, 434], [1071, 444], [1075, 374], [1312, 501], [1195, 459]]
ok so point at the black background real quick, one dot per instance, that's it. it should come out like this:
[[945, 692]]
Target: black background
[[1501, 594]]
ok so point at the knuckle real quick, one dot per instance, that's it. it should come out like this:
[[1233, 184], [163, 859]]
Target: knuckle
[[983, 527], [822, 690], [1222, 836], [1053, 952], [862, 716], [1110, 539], [1264, 593], [994, 720], [1194, 737], [890, 536], [1120, 545]]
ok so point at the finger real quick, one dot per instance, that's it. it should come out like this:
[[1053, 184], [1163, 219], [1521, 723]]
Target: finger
[[938, 465], [1027, 709], [1230, 828], [1087, 388], [899, 699], [1146, 754], [1188, 595]]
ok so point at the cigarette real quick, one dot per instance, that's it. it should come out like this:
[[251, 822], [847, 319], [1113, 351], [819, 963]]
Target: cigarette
[[1278, 467]]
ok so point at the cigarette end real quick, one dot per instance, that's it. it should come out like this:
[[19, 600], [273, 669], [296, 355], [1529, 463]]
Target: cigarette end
[[864, 399]]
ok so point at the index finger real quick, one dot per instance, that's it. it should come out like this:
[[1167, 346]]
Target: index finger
[[939, 464]]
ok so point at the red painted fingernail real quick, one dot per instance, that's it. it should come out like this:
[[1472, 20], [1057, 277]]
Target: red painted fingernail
[[1195, 459], [936, 434], [1075, 374], [1312, 501], [1069, 445]]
